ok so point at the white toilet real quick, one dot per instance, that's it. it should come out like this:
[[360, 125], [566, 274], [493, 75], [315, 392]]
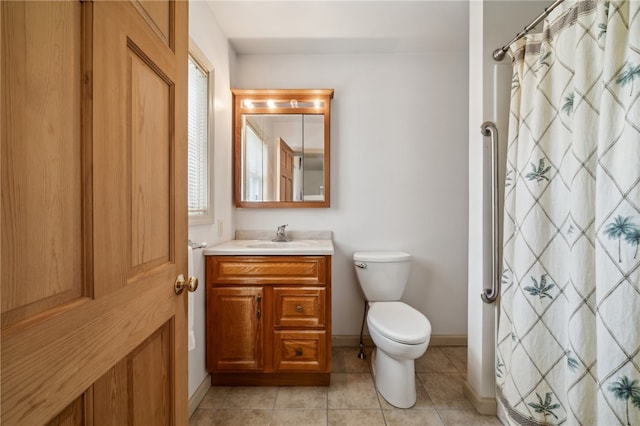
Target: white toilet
[[401, 333]]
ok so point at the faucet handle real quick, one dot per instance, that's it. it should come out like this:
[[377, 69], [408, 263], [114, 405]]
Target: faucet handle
[[281, 236]]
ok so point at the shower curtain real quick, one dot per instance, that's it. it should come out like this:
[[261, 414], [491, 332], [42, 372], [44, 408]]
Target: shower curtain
[[568, 349]]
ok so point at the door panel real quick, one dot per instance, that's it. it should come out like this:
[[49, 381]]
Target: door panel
[[73, 415], [159, 15], [139, 72], [93, 213], [41, 226], [145, 373], [150, 375], [150, 102]]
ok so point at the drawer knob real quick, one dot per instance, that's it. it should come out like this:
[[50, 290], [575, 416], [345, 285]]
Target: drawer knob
[[298, 308], [299, 352]]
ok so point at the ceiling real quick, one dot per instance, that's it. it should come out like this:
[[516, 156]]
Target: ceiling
[[343, 26]]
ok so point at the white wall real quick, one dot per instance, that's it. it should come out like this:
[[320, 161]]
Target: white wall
[[204, 31], [491, 25], [399, 171]]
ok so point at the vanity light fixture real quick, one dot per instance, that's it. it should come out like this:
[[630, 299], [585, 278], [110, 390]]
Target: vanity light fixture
[[274, 104]]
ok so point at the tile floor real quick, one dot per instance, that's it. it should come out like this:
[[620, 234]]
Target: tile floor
[[351, 399]]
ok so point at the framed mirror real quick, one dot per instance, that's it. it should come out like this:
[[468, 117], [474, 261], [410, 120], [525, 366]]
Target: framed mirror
[[282, 147]]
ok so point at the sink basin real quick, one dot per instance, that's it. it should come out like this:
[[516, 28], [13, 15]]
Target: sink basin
[[267, 247], [283, 244]]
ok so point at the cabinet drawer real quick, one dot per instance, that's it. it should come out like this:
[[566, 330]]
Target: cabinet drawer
[[240, 270], [299, 351], [299, 307]]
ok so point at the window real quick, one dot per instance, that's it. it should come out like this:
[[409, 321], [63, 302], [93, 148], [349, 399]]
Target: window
[[256, 165], [199, 135]]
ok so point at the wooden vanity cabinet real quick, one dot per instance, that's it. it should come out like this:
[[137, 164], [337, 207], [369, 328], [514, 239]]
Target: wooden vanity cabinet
[[269, 320]]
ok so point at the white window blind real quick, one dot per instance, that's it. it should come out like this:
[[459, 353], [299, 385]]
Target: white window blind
[[198, 164], [255, 164]]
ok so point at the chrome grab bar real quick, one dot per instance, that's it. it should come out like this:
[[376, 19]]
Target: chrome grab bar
[[490, 295]]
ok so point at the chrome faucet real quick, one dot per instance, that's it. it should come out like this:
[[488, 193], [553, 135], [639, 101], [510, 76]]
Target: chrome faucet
[[281, 236]]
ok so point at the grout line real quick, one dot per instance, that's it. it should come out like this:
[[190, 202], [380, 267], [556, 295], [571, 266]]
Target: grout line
[[226, 396]]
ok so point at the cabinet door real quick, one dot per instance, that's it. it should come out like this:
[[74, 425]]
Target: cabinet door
[[235, 331]]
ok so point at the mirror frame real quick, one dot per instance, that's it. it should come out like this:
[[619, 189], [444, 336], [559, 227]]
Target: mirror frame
[[280, 95]]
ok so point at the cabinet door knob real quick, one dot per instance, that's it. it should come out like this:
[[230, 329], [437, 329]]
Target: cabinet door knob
[[258, 308], [299, 352], [299, 308]]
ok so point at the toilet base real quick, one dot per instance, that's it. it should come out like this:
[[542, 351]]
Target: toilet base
[[394, 379]]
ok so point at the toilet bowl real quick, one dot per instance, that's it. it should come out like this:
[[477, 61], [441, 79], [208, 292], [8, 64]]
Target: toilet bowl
[[400, 332], [401, 335]]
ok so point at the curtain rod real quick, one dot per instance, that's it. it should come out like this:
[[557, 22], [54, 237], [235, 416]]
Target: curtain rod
[[499, 53]]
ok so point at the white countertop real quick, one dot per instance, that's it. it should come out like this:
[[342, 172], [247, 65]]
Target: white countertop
[[263, 247]]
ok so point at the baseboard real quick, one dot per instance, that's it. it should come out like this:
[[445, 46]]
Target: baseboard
[[350, 341], [436, 340], [448, 340], [199, 394], [484, 406]]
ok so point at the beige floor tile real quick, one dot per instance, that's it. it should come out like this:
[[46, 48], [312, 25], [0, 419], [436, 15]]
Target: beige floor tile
[[302, 397], [299, 417], [355, 418], [445, 389], [412, 417], [251, 397], [202, 417], [352, 390], [214, 397], [345, 360], [434, 361], [225, 417], [351, 399], [458, 357], [422, 399], [467, 417]]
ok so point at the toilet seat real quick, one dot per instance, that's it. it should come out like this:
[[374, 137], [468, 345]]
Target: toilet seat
[[399, 322]]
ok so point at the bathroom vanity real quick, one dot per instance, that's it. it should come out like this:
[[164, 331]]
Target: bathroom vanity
[[269, 312]]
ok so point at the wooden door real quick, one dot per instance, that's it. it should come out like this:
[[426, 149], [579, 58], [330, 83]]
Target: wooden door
[[93, 224], [235, 334], [286, 171]]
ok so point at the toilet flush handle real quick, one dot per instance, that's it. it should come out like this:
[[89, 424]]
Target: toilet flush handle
[[361, 265]]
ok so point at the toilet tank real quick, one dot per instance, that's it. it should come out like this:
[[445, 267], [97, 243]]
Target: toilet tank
[[382, 275]]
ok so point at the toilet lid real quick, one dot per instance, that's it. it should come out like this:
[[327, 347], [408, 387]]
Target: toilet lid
[[399, 322], [381, 256]]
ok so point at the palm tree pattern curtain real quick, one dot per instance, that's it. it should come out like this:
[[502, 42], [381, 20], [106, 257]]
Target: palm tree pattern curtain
[[568, 349]]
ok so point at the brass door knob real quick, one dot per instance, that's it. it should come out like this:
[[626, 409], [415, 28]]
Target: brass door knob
[[191, 284]]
